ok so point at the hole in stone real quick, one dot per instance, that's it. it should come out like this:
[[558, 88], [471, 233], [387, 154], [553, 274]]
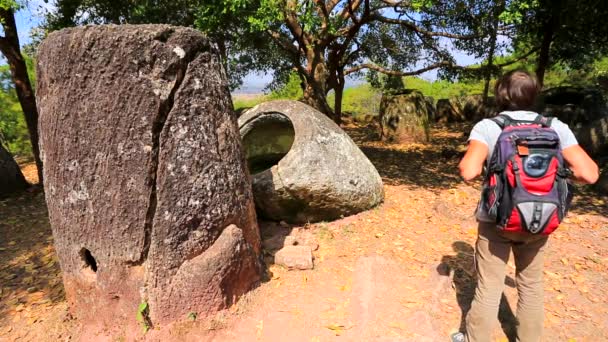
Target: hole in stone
[[89, 260], [267, 139]]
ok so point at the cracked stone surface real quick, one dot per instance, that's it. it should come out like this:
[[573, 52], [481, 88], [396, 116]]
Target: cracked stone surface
[[147, 188]]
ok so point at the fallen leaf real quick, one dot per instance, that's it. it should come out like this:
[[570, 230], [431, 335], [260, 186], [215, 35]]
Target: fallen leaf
[[337, 328], [259, 329]]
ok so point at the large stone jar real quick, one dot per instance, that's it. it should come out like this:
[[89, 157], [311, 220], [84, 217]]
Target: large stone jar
[[147, 188]]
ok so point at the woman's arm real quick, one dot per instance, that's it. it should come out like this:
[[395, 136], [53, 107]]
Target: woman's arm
[[585, 170], [471, 164]]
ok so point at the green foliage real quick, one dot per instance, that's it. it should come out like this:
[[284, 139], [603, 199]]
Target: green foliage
[[291, 90], [82, 12], [516, 11], [442, 89], [13, 129], [364, 99], [359, 100], [142, 316], [8, 4]]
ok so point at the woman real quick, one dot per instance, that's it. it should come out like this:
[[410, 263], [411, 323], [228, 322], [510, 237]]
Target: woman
[[516, 94]]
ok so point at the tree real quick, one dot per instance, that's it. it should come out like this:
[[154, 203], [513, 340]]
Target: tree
[[10, 48], [325, 41], [69, 13], [13, 129], [567, 32]]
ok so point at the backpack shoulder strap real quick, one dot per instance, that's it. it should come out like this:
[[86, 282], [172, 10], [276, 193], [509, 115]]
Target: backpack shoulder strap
[[543, 121], [502, 120]]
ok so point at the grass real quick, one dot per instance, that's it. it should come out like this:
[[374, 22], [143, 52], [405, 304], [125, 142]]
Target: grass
[[247, 101], [363, 99], [359, 100]]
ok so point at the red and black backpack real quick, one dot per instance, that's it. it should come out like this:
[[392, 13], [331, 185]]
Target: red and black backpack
[[525, 187]]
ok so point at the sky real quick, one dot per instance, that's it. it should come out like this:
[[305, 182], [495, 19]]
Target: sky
[[31, 16]]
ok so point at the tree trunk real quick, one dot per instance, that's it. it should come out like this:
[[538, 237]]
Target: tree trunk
[[10, 48], [543, 55], [338, 92], [488, 73], [316, 82], [315, 97], [493, 38]]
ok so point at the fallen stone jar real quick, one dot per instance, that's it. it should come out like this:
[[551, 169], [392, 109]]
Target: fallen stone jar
[[304, 167]]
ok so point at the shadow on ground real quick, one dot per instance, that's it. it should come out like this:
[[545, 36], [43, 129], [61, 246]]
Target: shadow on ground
[[432, 165], [29, 270], [588, 200], [462, 268]]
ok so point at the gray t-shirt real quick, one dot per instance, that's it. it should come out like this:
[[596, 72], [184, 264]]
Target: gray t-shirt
[[487, 131]]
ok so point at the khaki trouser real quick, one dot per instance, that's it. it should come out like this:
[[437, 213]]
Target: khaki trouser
[[491, 256]]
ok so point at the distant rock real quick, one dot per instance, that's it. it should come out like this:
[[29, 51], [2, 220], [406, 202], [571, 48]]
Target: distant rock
[[295, 257], [575, 106], [593, 137], [430, 108], [449, 110], [11, 178], [404, 117], [474, 108]]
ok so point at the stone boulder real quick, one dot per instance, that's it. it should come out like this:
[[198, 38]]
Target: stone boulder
[[430, 108], [146, 184], [474, 108], [404, 117], [449, 110], [305, 168], [593, 137], [11, 178], [295, 257], [573, 105]]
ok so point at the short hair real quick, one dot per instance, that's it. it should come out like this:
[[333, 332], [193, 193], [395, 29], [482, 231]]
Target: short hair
[[516, 90]]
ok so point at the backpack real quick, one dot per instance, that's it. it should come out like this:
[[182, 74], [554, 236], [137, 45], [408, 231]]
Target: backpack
[[525, 187]]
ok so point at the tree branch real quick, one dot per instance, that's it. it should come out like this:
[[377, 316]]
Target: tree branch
[[291, 19], [324, 14], [350, 9], [422, 31], [396, 72], [332, 4], [283, 42], [442, 64]]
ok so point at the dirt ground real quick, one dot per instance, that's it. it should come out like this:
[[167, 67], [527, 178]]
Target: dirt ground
[[401, 272]]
